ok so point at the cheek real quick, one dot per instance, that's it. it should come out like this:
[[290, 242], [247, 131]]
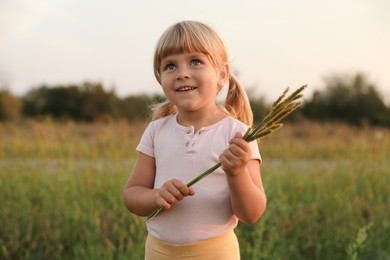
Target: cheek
[[166, 90], [164, 82]]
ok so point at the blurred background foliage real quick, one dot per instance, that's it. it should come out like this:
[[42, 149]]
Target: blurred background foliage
[[64, 161], [351, 99]]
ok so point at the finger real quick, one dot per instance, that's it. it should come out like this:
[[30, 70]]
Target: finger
[[162, 202], [238, 135], [168, 194], [191, 192], [166, 205], [234, 156], [181, 188], [238, 145], [173, 195], [237, 138], [235, 151], [226, 159]]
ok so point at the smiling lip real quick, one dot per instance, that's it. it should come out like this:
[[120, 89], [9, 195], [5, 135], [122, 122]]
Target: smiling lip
[[186, 88]]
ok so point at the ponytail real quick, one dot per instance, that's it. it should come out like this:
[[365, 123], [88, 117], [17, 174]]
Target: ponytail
[[237, 102], [163, 109]]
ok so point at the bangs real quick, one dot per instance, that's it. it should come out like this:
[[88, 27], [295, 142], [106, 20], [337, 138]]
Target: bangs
[[180, 41]]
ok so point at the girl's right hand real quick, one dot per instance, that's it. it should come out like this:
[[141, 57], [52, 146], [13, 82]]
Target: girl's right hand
[[172, 192]]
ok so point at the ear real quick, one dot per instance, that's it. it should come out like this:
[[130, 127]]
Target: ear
[[224, 74]]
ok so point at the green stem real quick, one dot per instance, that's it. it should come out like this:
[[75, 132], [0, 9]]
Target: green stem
[[204, 174]]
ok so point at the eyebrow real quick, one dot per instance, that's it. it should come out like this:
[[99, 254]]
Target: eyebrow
[[197, 55]]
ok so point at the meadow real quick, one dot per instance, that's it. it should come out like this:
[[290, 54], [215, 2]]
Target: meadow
[[61, 192]]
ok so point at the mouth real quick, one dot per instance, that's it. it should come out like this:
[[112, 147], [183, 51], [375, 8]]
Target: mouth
[[185, 89]]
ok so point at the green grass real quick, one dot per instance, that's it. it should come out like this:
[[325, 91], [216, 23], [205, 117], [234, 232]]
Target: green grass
[[61, 193]]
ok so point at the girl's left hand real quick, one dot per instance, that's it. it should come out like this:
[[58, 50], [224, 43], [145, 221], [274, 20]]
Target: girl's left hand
[[236, 157]]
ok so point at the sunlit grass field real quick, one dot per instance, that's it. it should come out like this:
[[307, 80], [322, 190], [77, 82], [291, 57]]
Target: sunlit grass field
[[61, 193]]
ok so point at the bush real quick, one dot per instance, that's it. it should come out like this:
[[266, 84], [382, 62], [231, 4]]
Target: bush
[[10, 106]]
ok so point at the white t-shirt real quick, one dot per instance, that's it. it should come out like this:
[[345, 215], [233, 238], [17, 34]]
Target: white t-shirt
[[182, 154]]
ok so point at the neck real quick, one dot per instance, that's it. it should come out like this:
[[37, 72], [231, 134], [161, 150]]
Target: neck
[[200, 119]]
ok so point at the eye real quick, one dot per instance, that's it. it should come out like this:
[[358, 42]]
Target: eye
[[196, 62], [169, 66]]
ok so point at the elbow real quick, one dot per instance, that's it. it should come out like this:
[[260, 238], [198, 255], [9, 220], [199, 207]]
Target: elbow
[[251, 219], [254, 216], [125, 200], [248, 220]]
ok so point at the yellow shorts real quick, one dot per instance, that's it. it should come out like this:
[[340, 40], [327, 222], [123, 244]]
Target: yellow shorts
[[222, 247]]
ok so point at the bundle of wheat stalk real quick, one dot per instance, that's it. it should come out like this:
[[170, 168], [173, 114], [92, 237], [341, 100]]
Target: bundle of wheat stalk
[[281, 108]]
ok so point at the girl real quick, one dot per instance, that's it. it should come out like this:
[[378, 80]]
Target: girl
[[190, 133]]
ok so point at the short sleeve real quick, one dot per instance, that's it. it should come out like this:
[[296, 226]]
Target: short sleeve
[[255, 151], [146, 144]]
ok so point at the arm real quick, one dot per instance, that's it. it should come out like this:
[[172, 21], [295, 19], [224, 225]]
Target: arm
[[243, 176], [139, 196]]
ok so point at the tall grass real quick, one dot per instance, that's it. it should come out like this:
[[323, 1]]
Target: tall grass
[[61, 193]]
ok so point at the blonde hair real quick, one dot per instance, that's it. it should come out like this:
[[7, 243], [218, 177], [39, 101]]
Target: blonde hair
[[190, 37]]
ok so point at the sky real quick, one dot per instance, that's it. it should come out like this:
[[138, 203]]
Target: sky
[[271, 44]]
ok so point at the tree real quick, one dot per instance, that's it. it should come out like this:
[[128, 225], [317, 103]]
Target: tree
[[87, 102], [96, 102], [352, 99], [136, 107]]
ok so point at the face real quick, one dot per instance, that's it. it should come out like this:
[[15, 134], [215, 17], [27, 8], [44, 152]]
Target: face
[[191, 82]]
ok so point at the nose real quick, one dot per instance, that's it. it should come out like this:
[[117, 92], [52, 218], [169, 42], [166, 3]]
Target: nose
[[182, 73]]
